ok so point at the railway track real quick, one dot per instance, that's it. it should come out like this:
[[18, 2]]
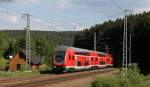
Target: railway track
[[17, 79], [57, 78]]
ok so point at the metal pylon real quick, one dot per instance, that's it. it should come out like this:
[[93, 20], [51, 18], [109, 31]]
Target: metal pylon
[[28, 58], [125, 45]]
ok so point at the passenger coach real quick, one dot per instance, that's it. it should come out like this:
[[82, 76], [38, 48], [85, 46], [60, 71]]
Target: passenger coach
[[67, 58]]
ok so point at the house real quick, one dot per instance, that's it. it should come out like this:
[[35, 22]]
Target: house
[[19, 59]]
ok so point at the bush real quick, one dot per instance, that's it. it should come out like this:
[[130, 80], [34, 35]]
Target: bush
[[126, 78], [43, 67], [106, 82], [3, 63], [25, 68]]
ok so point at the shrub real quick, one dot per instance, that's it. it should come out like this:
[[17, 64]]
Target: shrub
[[43, 67], [25, 68], [3, 63], [106, 82], [126, 78]]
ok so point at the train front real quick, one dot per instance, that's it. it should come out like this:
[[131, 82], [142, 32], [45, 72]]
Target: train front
[[58, 60]]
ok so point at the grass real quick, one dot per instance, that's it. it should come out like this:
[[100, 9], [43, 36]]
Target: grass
[[17, 74], [125, 78]]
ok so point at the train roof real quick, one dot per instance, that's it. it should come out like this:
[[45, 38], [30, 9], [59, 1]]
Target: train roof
[[64, 48]]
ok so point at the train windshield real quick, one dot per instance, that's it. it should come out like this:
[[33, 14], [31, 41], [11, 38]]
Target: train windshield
[[59, 56]]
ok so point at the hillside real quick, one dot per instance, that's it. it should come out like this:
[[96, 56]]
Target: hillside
[[65, 38]]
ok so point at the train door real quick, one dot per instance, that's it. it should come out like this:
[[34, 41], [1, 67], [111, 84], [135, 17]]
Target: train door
[[96, 61]]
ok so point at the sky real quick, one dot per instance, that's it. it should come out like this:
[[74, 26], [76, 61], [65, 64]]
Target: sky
[[64, 15]]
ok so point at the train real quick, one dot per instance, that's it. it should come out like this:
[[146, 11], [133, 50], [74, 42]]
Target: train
[[67, 59]]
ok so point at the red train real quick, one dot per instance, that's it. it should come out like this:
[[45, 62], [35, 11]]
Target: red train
[[67, 58]]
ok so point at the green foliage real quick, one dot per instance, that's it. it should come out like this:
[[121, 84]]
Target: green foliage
[[42, 43], [3, 63], [18, 74], [25, 68], [106, 82], [20, 43], [126, 78], [43, 67], [4, 43]]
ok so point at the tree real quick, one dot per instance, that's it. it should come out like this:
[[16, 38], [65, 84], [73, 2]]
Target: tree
[[4, 44], [138, 25], [3, 63], [20, 43]]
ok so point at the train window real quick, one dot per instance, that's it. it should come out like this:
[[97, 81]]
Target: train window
[[102, 63], [91, 58], [87, 63], [107, 60], [59, 56], [69, 57], [79, 63], [96, 59], [81, 53], [72, 57], [102, 55], [77, 53]]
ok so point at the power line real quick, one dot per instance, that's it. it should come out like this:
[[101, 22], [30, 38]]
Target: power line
[[46, 8], [10, 11], [117, 5], [16, 12]]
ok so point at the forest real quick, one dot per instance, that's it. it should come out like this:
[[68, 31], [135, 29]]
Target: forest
[[109, 33], [42, 43]]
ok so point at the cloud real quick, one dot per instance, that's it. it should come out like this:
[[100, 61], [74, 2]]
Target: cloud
[[62, 4], [91, 3], [12, 18], [34, 1], [19, 1], [3, 1], [38, 24], [9, 18], [109, 8]]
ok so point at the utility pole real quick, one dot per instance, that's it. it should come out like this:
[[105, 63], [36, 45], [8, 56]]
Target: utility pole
[[28, 48], [125, 41], [130, 49], [107, 48], [94, 41]]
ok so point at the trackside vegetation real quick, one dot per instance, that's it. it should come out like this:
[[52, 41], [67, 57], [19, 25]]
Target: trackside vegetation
[[18, 74], [125, 78]]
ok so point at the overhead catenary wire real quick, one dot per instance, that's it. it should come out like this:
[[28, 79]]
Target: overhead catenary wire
[[63, 17], [117, 5], [13, 12]]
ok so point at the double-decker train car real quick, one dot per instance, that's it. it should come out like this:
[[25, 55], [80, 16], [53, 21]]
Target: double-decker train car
[[67, 58]]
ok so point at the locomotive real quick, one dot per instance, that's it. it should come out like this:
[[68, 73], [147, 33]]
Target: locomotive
[[66, 58]]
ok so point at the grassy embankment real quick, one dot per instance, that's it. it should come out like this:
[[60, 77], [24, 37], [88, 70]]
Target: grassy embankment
[[125, 78], [18, 74]]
